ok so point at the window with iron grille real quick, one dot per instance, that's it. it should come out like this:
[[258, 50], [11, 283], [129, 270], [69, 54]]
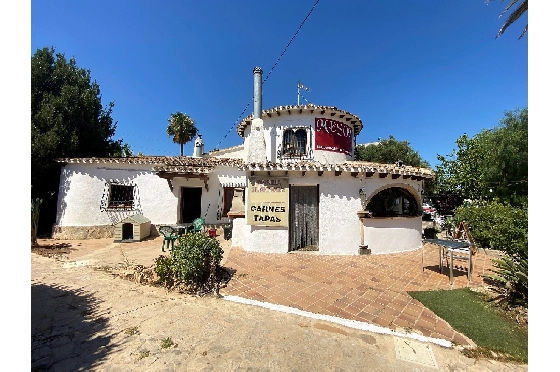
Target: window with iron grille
[[294, 143], [121, 197]]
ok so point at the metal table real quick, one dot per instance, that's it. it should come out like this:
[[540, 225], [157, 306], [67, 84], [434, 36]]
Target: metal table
[[181, 227], [451, 246]]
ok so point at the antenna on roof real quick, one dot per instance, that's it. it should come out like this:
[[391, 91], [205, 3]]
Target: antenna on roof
[[301, 86]]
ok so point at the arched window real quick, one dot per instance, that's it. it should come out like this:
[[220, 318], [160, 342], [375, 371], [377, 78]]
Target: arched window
[[294, 143], [394, 201]]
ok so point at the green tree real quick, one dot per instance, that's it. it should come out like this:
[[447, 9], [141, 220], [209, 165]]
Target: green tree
[[513, 16], [492, 164], [67, 120], [389, 151], [182, 128], [124, 152]]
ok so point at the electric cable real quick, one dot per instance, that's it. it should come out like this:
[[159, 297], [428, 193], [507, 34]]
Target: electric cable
[[270, 72]]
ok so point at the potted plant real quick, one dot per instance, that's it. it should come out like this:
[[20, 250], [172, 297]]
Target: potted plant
[[431, 233]]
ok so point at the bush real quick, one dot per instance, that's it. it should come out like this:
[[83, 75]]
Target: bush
[[511, 273], [431, 232], [192, 263], [502, 227], [496, 225], [164, 270]]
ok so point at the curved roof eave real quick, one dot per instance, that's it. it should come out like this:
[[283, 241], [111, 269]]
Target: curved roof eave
[[335, 112]]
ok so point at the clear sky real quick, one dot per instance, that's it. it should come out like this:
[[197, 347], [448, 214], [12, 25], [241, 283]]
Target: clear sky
[[422, 71]]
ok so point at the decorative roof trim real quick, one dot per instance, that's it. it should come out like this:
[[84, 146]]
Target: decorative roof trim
[[347, 167], [204, 165], [335, 112], [160, 161]]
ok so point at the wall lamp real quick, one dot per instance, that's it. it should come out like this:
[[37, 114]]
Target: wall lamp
[[363, 197]]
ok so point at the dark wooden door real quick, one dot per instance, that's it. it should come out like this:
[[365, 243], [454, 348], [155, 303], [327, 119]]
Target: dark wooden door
[[304, 218], [190, 204]]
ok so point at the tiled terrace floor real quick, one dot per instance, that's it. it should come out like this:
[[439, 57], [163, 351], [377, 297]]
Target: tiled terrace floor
[[372, 288]]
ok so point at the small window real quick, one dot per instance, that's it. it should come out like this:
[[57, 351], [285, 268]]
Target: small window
[[391, 202], [121, 197], [294, 143]]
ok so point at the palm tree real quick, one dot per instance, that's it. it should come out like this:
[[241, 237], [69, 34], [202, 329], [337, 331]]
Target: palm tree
[[182, 128], [514, 16]]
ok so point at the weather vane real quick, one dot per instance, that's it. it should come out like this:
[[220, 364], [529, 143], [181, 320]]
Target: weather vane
[[299, 87]]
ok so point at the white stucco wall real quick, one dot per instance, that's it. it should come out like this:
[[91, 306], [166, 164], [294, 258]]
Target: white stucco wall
[[274, 129], [81, 190], [239, 228], [82, 185], [266, 239], [393, 234], [259, 238], [236, 152], [339, 225]]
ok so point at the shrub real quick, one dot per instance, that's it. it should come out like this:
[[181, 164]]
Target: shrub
[[193, 262], [511, 273], [495, 225], [431, 232], [505, 228], [164, 270], [448, 225]]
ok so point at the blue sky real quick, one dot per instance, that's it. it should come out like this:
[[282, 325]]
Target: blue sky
[[422, 71]]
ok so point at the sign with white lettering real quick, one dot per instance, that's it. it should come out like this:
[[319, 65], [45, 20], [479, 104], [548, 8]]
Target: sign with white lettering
[[268, 201], [333, 135]]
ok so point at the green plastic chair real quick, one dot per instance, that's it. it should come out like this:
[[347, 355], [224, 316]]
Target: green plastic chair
[[169, 236], [197, 225]]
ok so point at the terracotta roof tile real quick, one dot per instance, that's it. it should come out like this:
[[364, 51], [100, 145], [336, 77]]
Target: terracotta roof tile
[[337, 114], [187, 164]]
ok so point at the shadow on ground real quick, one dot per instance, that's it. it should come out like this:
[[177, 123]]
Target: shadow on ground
[[67, 332]]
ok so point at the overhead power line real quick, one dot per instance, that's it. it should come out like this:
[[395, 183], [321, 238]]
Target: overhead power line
[[270, 72]]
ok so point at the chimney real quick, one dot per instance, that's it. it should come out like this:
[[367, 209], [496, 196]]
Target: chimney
[[257, 92], [255, 145], [198, 147]]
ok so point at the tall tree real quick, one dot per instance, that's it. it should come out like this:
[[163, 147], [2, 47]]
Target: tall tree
[[494, 163], [513, 16], [67, 120], [389, 151], [182, 128]]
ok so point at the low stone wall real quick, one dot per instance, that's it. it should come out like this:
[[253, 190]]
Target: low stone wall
[[82, 232], [103, 231]]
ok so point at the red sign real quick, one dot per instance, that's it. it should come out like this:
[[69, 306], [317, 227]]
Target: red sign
[[332, 135]]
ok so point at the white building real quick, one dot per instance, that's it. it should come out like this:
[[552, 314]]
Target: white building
[[291, 185]]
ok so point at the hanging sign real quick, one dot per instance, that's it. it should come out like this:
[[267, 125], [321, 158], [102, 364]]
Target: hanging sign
[[268, 201], [333, 135]]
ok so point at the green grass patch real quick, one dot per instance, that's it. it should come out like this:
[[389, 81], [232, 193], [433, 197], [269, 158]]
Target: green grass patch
[[474, 315]]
